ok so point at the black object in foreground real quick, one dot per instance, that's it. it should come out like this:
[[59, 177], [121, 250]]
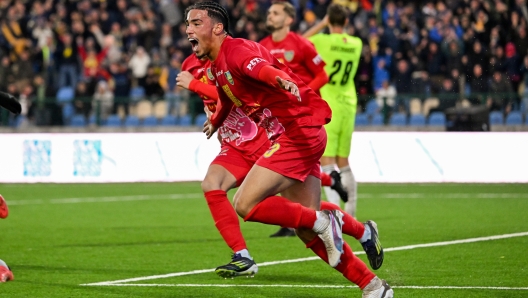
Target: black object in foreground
[[10, 103]]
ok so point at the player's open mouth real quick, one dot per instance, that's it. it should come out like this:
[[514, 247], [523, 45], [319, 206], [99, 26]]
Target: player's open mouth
[[194, 44]]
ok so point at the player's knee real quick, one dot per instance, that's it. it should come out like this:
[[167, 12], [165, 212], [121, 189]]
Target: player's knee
[[210, 184], [241, 207]]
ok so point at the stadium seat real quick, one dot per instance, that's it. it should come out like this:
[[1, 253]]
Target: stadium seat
[[372, 108], [92, 119], [200, 119], [168, 120], [160, 109], [377, 119], [437, 119], [137, 93], [398, 119], [429, 104], [184, 120], [417, 120], [496, 118], [514, 118], [78, 121], [150, 121], [131, 121], [65, 94], [113, 121], [144, 109], [415, 106], [361, 119]]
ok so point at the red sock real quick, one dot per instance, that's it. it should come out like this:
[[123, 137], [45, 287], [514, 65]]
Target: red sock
[[226, 219], [351, 226], [280, 211], [350, 266], [326, 180]]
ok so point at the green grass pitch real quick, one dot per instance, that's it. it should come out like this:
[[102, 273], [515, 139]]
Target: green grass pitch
[[59, 238]]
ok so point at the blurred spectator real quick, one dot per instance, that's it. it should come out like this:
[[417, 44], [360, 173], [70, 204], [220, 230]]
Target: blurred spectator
[[91, 60], [524, 86], [447, 95], [168, 82], [153, 89], [478, 86], [83, 99], [386, 95], [104, 99], [402, 81], [501, 96], [138, 64], [120, 82], [511, 65], [66, 59]]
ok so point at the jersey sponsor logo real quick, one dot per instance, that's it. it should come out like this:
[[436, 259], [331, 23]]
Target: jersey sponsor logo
[[272, 125], [241, 127], [342, 49], [229, 77], [210, 74], [231, 96], [288, 55], [274, 148], [219, 73], [317, 60], [254, 62]]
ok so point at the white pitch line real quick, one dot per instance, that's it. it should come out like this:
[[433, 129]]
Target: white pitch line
[[107, 199], [316, 286], [407, 247], [200, 195]]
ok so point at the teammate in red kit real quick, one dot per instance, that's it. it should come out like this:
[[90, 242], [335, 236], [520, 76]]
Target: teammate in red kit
[[4, 212], [250, 78], [243, 142], [301, 57]]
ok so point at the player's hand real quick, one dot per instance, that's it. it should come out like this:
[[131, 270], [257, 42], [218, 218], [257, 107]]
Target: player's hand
[[208, 113], [183, 79], [209, 129], [289, 86]]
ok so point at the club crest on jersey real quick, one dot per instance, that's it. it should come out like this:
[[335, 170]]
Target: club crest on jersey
[[210, 74], [288, 55], [229, 77]]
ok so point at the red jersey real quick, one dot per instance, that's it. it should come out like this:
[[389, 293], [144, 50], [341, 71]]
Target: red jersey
[[238, 129], [298, 54], [236, 70]]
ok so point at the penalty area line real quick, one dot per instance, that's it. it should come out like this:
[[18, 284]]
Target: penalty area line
[[407, 247]]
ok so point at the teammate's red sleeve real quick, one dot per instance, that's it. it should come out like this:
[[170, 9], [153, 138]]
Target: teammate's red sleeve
[[223, 107], [268, 73], [319, 81], [203, 89]]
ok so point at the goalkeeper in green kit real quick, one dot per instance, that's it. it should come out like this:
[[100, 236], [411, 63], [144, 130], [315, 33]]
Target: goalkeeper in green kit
[[341, 53]]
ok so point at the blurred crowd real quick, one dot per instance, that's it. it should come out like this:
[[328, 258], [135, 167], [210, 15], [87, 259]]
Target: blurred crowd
[[475, 50]]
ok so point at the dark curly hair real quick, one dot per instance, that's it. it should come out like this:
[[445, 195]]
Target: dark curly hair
[[214, 10]]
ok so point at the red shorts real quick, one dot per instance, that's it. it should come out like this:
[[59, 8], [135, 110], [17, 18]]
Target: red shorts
[[236, 162], [296, 153]]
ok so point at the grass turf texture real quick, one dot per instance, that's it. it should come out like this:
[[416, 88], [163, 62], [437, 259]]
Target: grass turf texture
[[59, 236]]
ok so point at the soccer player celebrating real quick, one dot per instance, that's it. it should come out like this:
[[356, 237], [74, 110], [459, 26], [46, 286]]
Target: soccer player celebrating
[[341, 53], [243, 142], [301, 57], [250, 78]]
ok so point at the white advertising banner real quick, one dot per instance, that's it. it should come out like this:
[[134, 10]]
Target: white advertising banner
[[376, 157]]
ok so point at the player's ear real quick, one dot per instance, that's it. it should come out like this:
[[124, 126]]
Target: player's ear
[[218, 28]]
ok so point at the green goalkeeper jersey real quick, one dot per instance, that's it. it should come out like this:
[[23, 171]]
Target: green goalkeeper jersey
[[341, 53]]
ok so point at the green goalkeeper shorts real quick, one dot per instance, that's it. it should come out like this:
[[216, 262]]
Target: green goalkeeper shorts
[[340, 130]]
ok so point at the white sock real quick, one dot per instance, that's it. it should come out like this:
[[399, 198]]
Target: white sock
[[244, 253], [350, 184], [366, 234], [321, 222], [331, 195]]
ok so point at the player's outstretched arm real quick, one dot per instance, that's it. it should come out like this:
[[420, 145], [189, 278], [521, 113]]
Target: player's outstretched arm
[[278, 78], [316, 28]]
